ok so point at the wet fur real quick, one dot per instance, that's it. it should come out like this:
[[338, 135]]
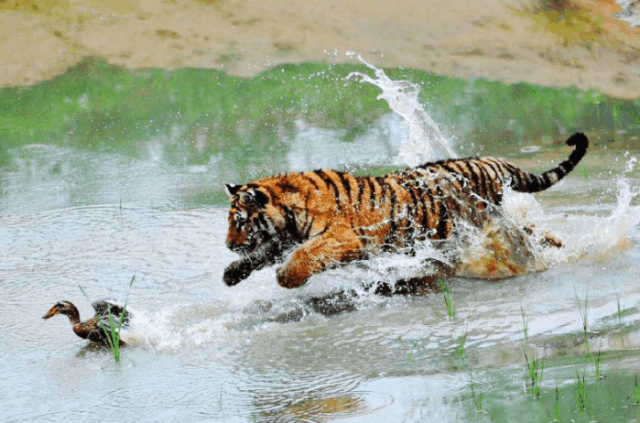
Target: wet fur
[[329, 218]]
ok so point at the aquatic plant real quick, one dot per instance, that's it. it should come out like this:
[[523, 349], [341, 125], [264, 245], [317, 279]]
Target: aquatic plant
[[536, 372], [410, 357], [556, 405], [619, 312], [612, 399], [460, 348], [477, 398], [461, 355], [535, 366], [448, 299], [585, 173], [582, 309], [112, 332], [580, 390], [597, 362]]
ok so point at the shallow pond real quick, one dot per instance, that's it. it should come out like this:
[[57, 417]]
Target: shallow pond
[[74, 217]]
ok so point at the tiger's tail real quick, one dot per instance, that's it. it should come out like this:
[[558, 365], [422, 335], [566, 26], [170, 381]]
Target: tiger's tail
[[524, 181]]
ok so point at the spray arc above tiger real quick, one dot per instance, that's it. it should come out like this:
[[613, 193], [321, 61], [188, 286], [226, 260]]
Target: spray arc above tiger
[[327, 218]]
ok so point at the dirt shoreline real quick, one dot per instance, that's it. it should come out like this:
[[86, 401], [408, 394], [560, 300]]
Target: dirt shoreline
[[490, 39]]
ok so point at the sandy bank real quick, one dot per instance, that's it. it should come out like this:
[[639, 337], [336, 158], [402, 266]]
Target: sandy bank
[[464, 38]]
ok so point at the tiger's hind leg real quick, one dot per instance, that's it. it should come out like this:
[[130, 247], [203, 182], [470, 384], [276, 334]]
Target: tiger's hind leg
[[334, 247], [418, 285], [333, 303], [545, 241], [421, 285]]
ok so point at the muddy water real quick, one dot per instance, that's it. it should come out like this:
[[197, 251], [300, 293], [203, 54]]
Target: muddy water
[[200, 351]]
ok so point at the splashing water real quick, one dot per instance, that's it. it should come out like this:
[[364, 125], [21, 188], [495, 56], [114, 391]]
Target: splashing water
[[259, 303], [223, 316], [423, 141], [486, 253]]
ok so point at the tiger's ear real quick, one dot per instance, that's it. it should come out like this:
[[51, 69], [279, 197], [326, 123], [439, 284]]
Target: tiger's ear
[[231, 189]]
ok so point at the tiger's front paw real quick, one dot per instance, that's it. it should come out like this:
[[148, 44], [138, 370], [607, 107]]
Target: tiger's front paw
[[236, 272], [291, 277]]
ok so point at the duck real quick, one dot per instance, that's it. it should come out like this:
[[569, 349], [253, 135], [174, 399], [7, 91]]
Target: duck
[[91, 329]]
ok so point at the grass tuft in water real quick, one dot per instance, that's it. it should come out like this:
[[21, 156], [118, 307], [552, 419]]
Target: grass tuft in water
[[535, 366], [410, 357], [585, 173], [461, 355], [636, 392], [581, 390], [597, 363], [582, 309], [113, 331], [460, 348], [477, 398], [556, 406], [448, 299], [536, 372], [619, 313]]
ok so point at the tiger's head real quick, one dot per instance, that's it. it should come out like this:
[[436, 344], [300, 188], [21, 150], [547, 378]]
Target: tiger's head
[[252, 218]]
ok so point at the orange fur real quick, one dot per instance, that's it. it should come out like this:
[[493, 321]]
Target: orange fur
[[330, 218]]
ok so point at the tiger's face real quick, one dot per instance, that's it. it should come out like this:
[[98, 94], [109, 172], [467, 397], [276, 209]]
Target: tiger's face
[[251, 218]]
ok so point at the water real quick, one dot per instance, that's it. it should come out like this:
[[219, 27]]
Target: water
[[423, 142], [200, 351]]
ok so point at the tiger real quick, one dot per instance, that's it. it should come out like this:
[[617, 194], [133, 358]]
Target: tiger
[[316, 220]]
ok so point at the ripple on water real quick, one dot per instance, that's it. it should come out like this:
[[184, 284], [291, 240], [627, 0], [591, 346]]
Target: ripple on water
[[311, 396], [208, 350]]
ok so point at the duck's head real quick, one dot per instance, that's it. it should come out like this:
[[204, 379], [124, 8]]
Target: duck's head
[[63, 307]]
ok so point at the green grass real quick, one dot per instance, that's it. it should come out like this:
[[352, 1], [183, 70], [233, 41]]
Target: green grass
[[582, 309], [536, 372], [535, 366], [619, 312], [200, 114], [571, 396], [410, 357], [463, 358], [568, 386], [244, 127], [556, 405], [477, 398], [597, 361], [461, 352], [112, 332], [448, 298], [581, 390]]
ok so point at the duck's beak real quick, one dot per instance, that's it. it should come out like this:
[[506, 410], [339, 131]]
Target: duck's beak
[[52, 312]]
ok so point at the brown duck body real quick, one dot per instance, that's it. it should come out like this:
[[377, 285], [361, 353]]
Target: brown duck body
[[91, 329]]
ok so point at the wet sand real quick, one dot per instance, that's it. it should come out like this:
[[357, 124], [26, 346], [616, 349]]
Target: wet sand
[[497, 40]]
